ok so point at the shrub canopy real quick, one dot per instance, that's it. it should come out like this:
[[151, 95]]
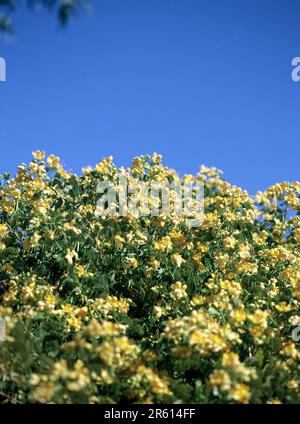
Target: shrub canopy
[[145, 309]]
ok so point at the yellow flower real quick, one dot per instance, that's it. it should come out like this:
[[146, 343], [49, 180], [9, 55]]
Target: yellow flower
[[119, 240], [259, 318], [164, 243], [50, 234], [64, 174], [179, 290], [74, 322], [50, 299], [241, 393], [82, 272], [247, 268], [158, 311], [177, 259], [230, 359], [105, 329], [221, 379], [8, 267], [67, 308], [201, 247], [38, 155], [156, 158], [71, 254], [106, 377], [291, 351], [283, 307], [153, 264], [3, 230], [53, 162], [44, 392], [104, 165], [133, 262], [138, 166], [232, 287], [261, 237], [198, 300], [70, 226], [157, 384], [31, 241], [275, 402], [238, 316], [244, 252], [178, 238], [229, 243], [292, 385]]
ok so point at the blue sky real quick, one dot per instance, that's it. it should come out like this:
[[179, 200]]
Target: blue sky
[[201, 82]]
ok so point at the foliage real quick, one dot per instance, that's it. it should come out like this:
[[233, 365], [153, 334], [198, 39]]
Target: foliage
[[144, 309], [64, 9]]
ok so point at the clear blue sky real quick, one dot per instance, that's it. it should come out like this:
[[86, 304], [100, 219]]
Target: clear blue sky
[[201, 82]]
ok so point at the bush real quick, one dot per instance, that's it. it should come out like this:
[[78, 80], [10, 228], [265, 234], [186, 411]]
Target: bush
[[146, 309]]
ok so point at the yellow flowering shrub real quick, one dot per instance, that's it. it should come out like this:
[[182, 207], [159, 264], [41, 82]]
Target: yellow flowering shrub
[[145, 309]]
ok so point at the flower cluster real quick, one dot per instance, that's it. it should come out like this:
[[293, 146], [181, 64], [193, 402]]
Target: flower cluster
[[145, 309]]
